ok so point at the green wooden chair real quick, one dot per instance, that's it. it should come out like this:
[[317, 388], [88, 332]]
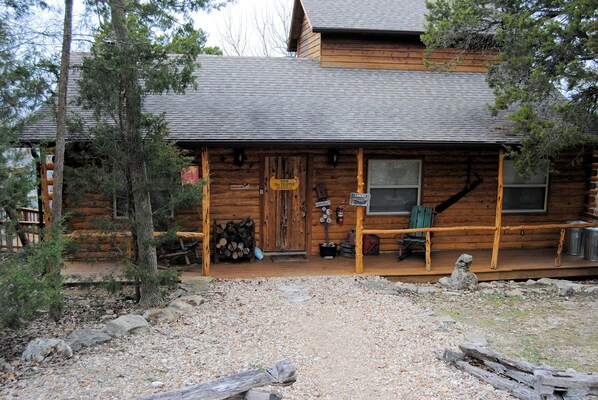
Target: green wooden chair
[[421, 217]]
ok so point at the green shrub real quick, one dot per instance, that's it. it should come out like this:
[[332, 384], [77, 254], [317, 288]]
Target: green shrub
[[30, 282]]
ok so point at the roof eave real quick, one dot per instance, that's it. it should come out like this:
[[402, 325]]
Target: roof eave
[[366, 31]]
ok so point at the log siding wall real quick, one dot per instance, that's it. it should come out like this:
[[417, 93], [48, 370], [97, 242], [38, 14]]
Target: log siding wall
[[309, 43], [444, 174], [393, 53]]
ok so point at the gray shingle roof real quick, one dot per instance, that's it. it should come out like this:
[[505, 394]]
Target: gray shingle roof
[[371, 15], [243, 100]]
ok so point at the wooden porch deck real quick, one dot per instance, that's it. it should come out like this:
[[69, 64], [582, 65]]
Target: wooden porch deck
[[512, 264]]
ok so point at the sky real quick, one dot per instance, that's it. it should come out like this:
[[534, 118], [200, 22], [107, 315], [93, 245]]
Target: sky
[[241, 13]]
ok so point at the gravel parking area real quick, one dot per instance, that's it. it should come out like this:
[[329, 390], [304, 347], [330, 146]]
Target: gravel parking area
[[347, 340]]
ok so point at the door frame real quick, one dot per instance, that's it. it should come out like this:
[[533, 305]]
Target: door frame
[[308, 194]]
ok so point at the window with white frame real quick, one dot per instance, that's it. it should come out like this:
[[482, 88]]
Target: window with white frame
[[394, 186], [524, 194]]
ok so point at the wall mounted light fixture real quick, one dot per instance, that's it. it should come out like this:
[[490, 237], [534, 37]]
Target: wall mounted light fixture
[[239, 157], [333, 156]]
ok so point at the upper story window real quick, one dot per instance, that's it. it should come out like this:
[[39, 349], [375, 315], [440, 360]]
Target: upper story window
[[524, 195], [394, 185]]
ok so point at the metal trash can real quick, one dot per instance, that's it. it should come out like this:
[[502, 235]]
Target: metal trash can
[[590, 244], [574, 239]]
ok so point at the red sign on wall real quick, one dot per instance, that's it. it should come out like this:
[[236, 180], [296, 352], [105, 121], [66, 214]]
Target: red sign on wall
[[190, 174]]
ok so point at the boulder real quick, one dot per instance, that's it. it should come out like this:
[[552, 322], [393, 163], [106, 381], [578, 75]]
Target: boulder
[[406, 288], [196, 285], [40, 349], [563, 288], [192, 299], [86, 338], [126, 325], [181, 305], [157, 315], [461, 278]]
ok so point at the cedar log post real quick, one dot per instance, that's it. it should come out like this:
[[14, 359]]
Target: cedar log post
[[428, 251], [559, 251], [205, 211], [359, 222], [498, 221]]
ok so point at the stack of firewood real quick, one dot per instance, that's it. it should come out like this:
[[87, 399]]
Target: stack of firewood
[[234, 240]]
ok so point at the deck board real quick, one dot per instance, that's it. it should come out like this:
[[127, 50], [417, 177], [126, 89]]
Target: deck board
[[512, 264]]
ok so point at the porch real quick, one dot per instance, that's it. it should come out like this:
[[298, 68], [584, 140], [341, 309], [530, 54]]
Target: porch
[[513, 264]]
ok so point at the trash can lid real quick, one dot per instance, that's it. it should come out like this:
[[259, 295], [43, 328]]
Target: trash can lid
[[591, 229], [577, 222]]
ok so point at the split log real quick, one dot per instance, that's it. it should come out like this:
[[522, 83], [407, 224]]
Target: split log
[[524, 380], [282, 374]]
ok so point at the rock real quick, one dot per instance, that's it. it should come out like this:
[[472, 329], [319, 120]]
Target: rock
[[515, 293], [40, 349], [297, 298], [475, 339], [126, 325], [157, 384], [86, 338], [382, 286], [445, 319], [590, 290], [290, 288], [461, 278], [488, 292], [192, 299], [426, 290], [181, 305], [406, 288], [531, 282], [563, 288], [546, 281], [157, 315], [197, 285]]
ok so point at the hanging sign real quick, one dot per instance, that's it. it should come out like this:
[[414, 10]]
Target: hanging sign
[[324, 203], [190, 174], [284, 183], [242, 186], [360, 199]]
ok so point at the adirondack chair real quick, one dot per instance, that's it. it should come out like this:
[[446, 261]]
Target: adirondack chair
[[421, 217]]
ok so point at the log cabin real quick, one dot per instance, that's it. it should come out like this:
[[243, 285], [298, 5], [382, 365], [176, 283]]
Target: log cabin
[[357, 111]]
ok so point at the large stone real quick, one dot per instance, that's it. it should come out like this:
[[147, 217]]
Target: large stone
[[196, 285], [157, 315], [192, 299], [563, 288], [86, 338], [41, 349], [406, 288], [181, 305], [127, 325], [461, 278]]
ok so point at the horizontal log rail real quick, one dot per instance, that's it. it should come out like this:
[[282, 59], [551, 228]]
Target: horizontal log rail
[[430, 230], [127, 234]]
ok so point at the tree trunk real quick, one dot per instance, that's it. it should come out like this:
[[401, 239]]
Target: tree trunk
[[130, 111], [61, 113]]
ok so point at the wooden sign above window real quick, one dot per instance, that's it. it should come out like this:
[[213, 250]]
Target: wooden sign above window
[[190, 175], [284, 183]]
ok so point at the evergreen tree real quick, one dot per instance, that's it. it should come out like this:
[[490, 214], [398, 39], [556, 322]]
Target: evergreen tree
[[141, 48], [547, 66]]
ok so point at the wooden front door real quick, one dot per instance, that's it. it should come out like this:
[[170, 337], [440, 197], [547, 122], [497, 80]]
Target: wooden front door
[[284, 203]]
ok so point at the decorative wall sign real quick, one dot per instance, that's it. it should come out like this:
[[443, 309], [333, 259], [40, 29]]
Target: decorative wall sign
[[190, 174], [284, 183], [242, 186], [324, 203], [360, 199]]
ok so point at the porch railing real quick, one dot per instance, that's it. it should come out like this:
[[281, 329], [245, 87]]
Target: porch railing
[[495, 248], [28, 222]]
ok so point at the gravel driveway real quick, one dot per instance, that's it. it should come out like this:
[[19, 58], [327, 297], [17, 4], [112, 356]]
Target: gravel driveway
[[346, 339]]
